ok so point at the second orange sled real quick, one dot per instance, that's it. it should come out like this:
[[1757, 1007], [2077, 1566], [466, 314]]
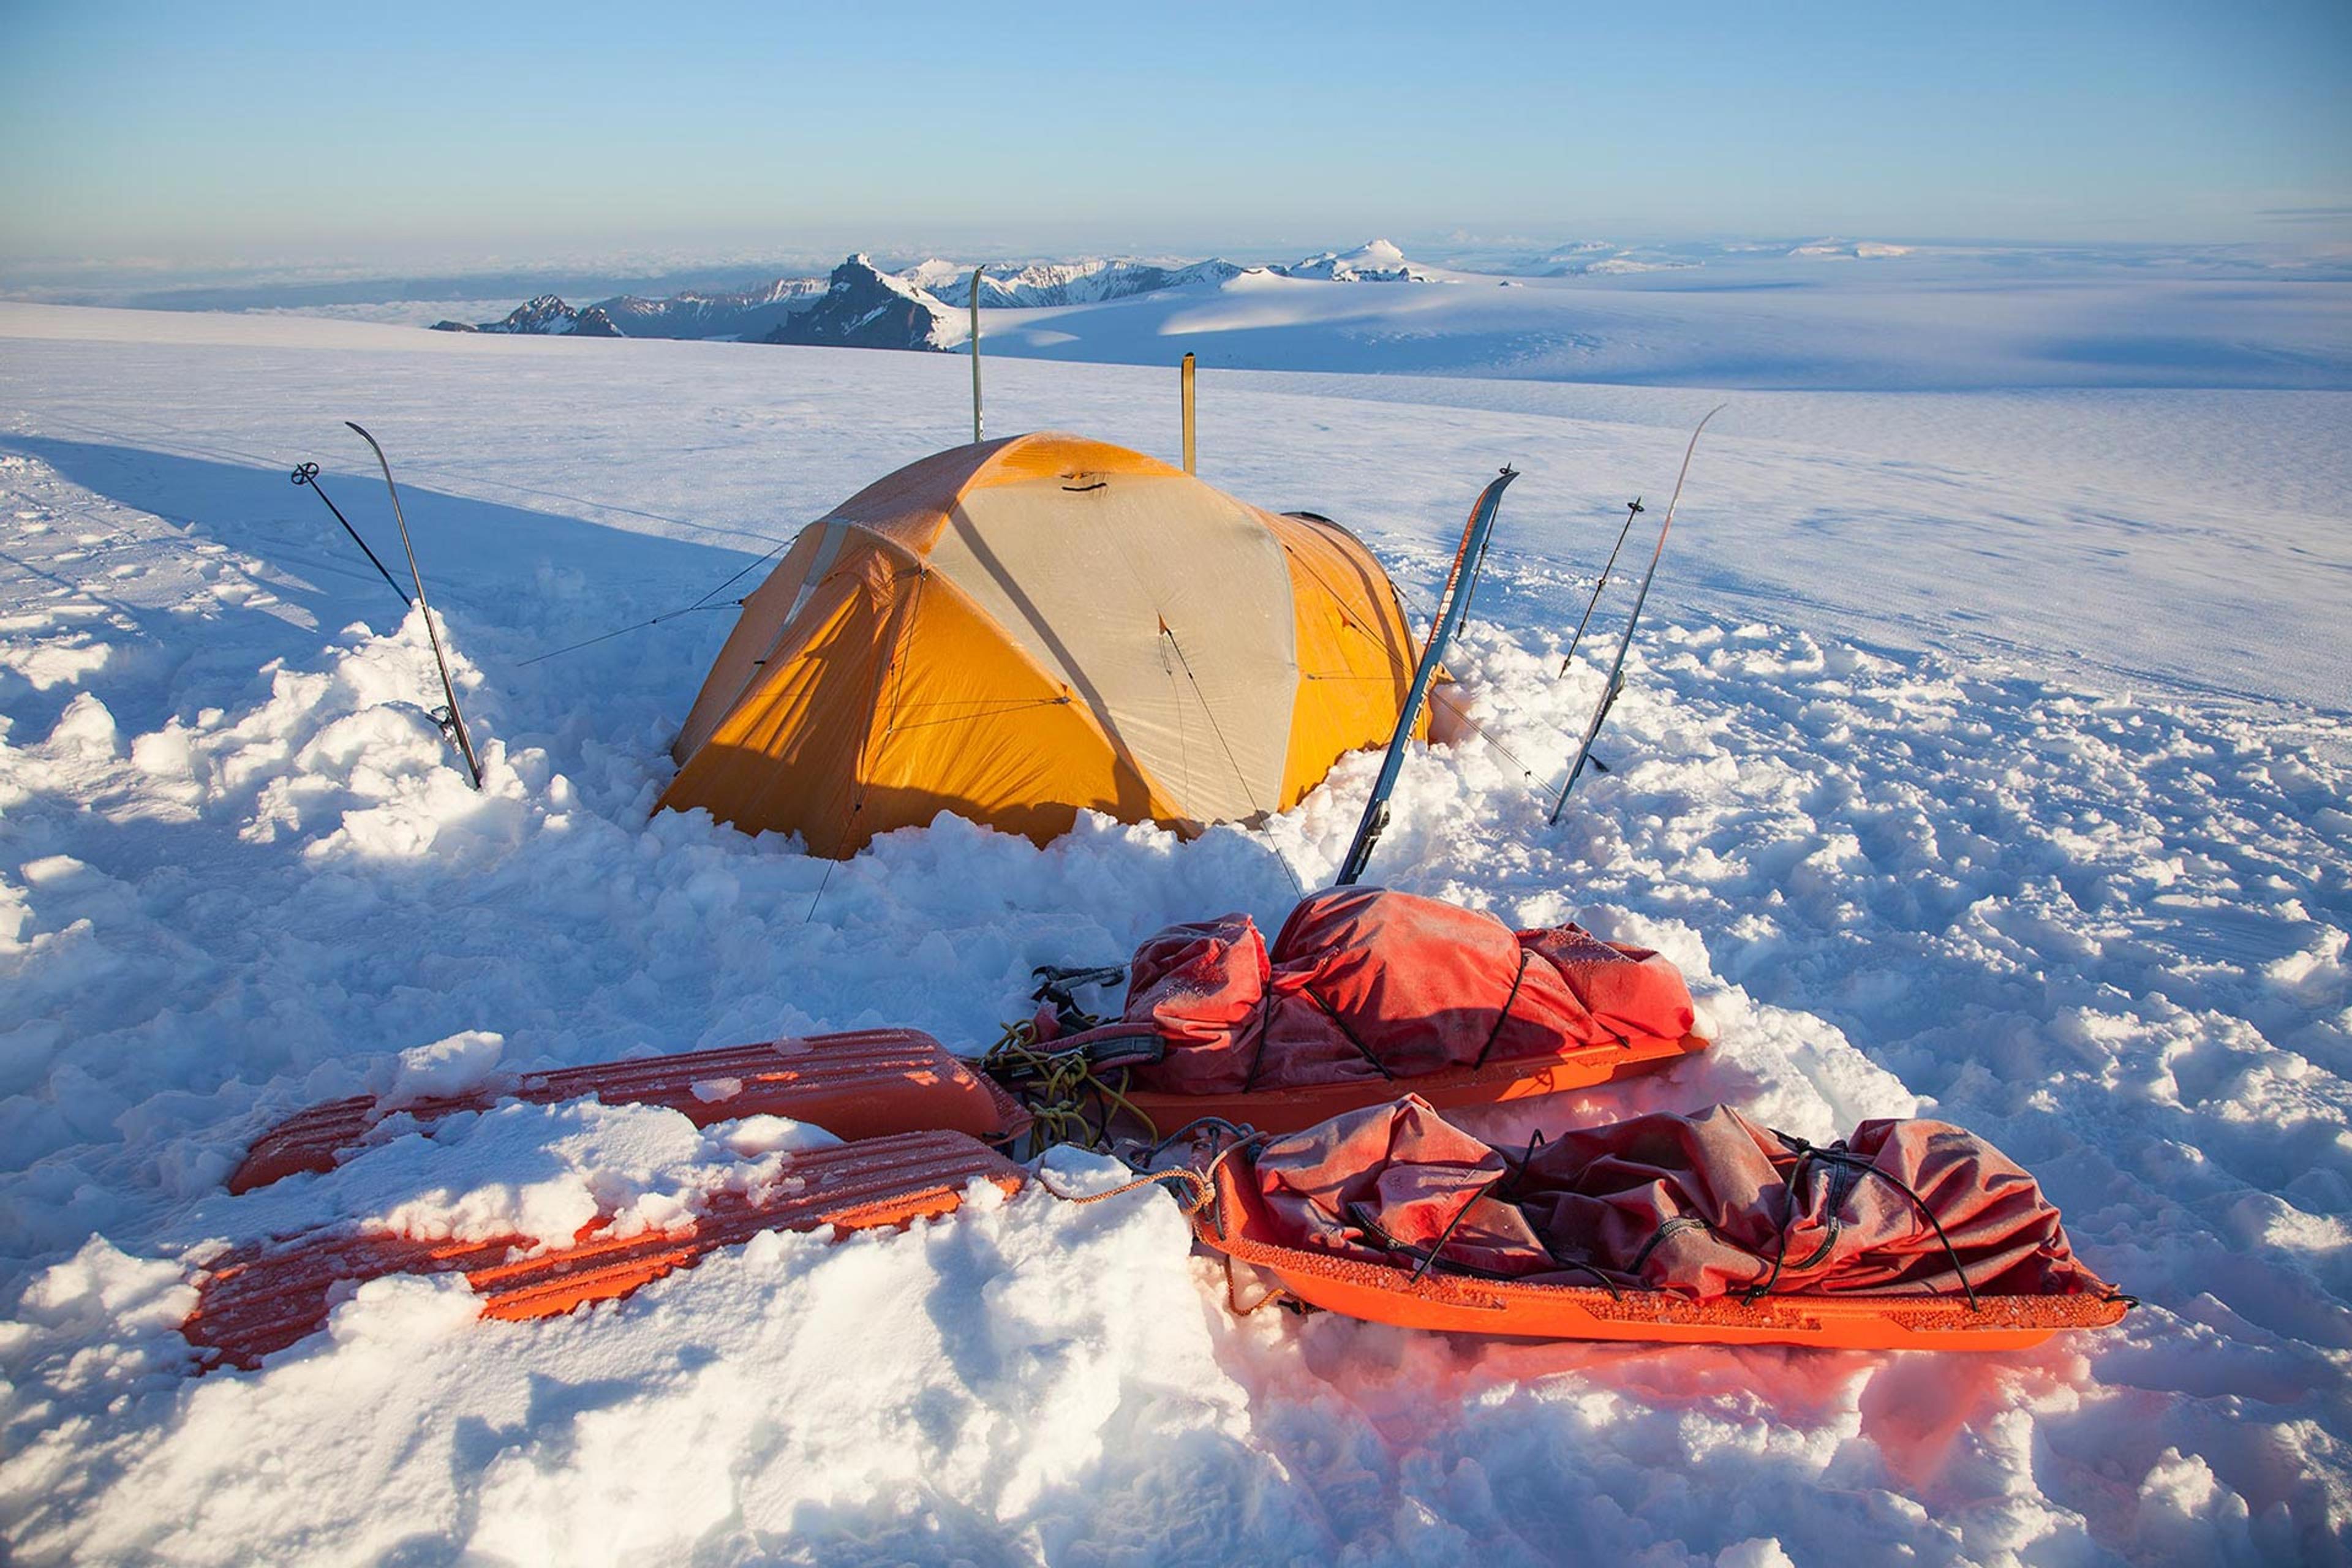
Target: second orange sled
[[1234, 1223]]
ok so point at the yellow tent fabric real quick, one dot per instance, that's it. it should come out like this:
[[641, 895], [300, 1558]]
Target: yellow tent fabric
[[1018, 629]]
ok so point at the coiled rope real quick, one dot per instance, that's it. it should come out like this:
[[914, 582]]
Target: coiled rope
[[1065, 1096]]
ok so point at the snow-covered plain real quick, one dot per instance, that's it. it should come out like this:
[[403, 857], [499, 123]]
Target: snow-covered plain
[[1911, 325], [1987, 754]]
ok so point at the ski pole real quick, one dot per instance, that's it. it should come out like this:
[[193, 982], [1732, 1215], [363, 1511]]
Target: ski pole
[[1616, 682], [1632, 511], [1451, 607], [308, 474], [457, 724]]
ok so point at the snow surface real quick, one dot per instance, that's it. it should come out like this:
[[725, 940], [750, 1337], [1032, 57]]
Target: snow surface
[[1985, 755], [1917, 323]]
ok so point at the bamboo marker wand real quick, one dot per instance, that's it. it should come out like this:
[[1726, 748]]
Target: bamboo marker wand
[[1186, 376]]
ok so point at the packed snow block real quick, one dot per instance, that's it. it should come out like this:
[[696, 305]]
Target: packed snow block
[[1366, 985], [1703, 1227], [858, 1084], [261, 1298]]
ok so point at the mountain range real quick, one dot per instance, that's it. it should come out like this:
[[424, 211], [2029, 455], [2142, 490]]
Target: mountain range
[[861, 305]]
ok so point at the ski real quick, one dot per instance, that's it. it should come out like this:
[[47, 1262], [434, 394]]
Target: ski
[[1632, 511], [1616, 682], [308, 474], [260, 1298], [452, 721], [1451, 607], [859, 1084]]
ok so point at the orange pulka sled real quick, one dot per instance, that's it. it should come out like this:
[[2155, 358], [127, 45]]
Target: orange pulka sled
[[1290, 1109], [1235, 1226], [1230, 1217]]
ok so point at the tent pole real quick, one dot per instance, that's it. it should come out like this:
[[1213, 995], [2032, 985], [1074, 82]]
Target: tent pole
[[1187, 379], [975, 353]]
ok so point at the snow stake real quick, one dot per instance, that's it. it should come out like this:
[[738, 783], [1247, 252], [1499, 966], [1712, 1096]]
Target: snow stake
[[1616, 682], [1451, 607], [308, 474], [452, 721], [975, 353]]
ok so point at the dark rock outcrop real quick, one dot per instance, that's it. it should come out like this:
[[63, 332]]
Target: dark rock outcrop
[[865, 307]]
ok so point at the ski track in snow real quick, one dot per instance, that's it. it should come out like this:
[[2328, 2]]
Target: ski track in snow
[[2082, 884]]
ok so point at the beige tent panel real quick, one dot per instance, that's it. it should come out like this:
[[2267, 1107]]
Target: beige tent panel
[[1163, 604]]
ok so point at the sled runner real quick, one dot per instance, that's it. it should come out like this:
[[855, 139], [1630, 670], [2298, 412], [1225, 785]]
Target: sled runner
[[855, 1085], [1663, 1229], [1293, 1109], [261, 1298]]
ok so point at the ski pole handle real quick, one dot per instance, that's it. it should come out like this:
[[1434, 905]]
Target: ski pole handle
[[308, 474]]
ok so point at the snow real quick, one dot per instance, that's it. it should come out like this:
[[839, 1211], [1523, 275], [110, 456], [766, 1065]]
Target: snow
[[1986, 755], [1938, 321], [1852, 250], [1374, 261], [401, 312]]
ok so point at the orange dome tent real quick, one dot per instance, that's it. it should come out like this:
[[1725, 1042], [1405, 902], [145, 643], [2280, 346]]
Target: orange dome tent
[[1016, 630]]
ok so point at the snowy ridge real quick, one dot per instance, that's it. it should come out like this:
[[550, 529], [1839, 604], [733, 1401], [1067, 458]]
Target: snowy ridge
[[1375, 261], [760, 313], [546, 316], [749, 313], [2095, 916], [1853, 250], [1599, 258], [1056, 284], [864, 307]]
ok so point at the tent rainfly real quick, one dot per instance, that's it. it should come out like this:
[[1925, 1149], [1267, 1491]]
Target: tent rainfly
[[1015, 630]]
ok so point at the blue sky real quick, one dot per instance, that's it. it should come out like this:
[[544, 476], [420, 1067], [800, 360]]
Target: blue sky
[[438, 135]]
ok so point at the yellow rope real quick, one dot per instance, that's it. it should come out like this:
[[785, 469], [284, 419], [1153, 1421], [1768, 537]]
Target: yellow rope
[[1054, 1088], [1202, 1191]]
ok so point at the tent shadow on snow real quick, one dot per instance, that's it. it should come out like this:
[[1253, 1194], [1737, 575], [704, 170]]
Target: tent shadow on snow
[[173, 652], [471, 552]]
